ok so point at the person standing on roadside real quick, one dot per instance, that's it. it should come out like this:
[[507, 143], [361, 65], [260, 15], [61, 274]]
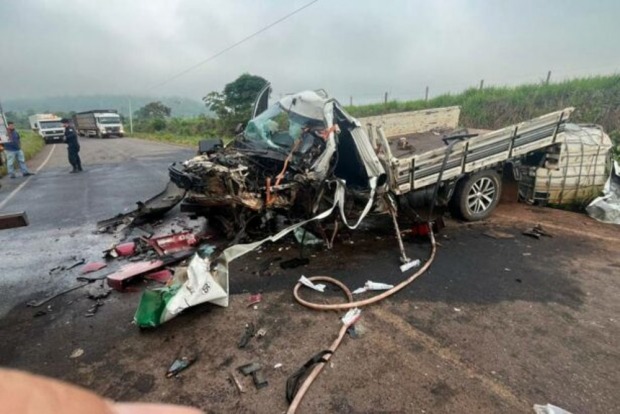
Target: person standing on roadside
[[73, 146], [13, 150]]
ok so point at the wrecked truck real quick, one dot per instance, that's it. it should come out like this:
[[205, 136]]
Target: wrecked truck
[[293, 154]]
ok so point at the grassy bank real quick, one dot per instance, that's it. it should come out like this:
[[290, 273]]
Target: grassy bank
[[597, 100], [31, 145]]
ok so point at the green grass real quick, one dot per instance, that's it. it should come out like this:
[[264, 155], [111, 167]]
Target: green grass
[[31, 145]]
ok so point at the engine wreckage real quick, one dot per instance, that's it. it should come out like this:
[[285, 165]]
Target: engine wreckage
[[289, 161]]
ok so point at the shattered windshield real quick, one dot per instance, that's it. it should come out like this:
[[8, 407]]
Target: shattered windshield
[[279, 129]]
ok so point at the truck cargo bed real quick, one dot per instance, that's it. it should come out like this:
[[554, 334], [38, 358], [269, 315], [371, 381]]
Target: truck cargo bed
[[417, 163]]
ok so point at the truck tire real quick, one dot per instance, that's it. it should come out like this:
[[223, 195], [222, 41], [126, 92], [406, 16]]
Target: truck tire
[[476, 196]]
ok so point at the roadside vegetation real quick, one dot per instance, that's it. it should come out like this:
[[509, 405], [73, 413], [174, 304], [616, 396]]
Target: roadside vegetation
[[31, 145]]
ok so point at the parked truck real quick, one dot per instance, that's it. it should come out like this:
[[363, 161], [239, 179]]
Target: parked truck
[[48, 126], [100, 123]]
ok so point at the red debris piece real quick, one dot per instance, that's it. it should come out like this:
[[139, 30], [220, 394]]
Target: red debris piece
[[125, 249], [125, 274], [161, 276], [92, 267], [254, 299], [173, 243]]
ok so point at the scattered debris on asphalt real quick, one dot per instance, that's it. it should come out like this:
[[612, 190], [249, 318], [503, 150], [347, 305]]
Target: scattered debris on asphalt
[[92, 267], [254, 299], [247, 369], [498, 235], [173, 243], [119, 279], [248, 334], [78, 352], [39, 313], [180, 364], [236, 383], [99, 293], [536, 232], [75, 262], [93, 310], [254, 369], [162, 276], [151, 209], [259, 379], [37, 303]]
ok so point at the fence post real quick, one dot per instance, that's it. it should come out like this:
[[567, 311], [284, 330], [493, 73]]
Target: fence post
[[481, 84], [385, 98], [350, 100], [548, 78], [426, 94]]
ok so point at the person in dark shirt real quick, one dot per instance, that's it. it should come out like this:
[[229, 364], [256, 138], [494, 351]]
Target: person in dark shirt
[[73, 146], [13, 150]]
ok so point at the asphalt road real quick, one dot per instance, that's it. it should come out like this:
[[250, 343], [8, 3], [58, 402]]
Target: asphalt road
[[496, 325], [63, 208]]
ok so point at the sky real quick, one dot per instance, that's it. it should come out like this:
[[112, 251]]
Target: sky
[[358, 49]]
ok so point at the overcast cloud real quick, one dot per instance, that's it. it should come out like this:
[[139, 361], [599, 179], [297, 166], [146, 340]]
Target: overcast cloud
[[359, 48]]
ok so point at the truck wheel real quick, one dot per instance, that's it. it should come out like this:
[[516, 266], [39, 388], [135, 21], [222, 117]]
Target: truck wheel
[[476, 196]]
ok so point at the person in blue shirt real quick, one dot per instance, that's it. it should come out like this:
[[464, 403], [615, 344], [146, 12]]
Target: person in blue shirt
[[13, 150]]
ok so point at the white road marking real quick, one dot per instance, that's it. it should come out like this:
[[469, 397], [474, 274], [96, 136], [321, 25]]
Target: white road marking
[[12, 194]]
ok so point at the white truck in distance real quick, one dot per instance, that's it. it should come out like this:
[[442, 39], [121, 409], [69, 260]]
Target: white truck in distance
[[98, 123], [48, 126]]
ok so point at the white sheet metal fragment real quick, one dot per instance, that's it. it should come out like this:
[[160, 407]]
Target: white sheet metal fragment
[[319, 287], [409, 265], [606, 208], [351, 316], [370, 285]]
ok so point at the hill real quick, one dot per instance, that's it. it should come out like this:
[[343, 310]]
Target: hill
[[181, 107]]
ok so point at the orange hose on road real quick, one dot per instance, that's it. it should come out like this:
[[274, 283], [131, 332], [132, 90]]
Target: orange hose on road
[[365, 302], [344, 306]]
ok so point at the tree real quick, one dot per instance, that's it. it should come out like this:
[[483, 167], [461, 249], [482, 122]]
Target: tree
[[234, 103], [153, 110]]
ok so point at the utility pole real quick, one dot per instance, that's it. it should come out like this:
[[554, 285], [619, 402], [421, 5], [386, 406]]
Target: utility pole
[[350, 101], [385, 98], [548, 78], [130, 117], [426, 94], [481, 84]]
